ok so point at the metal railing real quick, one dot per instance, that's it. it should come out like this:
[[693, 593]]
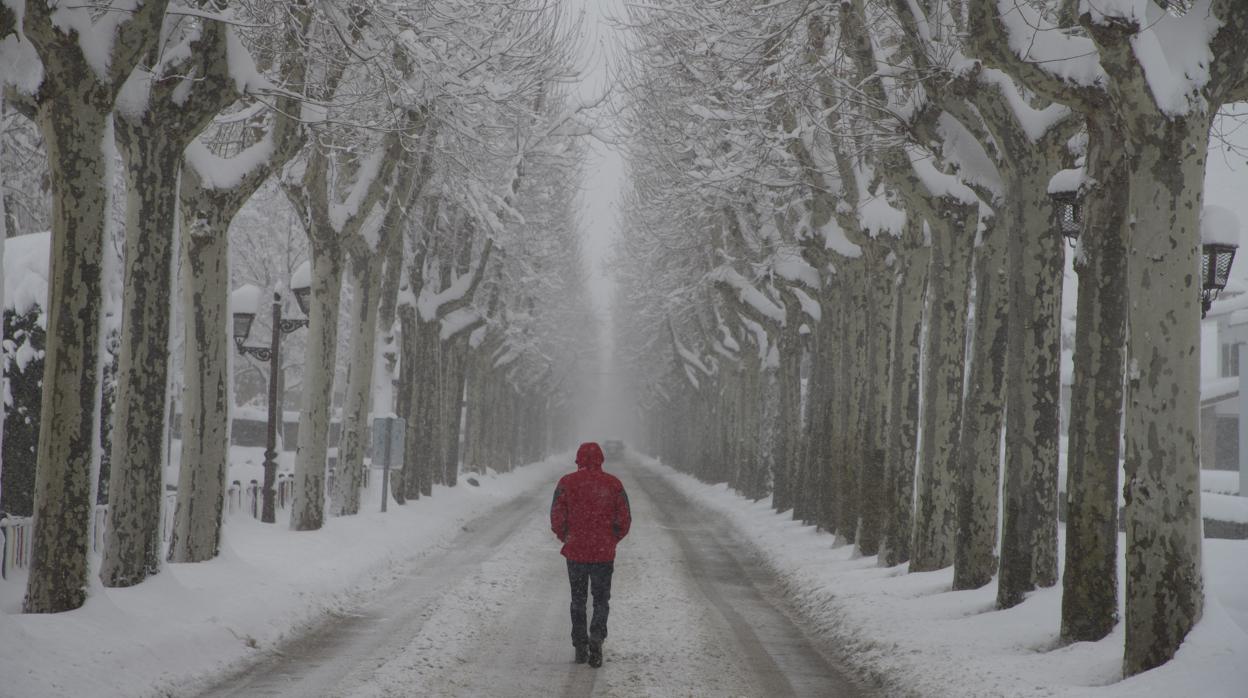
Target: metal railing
[[17, 532]]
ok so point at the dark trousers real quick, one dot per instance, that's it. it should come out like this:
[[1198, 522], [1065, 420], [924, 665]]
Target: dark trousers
[[586, 576]]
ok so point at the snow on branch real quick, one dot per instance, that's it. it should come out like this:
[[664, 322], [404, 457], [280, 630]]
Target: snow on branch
[[460, 321], [751, 300], [216, 172], [370, 170], [688, 357], [438, 304]]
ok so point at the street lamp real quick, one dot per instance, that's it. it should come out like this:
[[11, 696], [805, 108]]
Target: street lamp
[[1070, 215], [1215, 269], [245, 303], [1219, 237], [1064, 190]]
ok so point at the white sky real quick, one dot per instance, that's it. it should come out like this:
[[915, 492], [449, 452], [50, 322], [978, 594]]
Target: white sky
[[605, 167], [599, 214]]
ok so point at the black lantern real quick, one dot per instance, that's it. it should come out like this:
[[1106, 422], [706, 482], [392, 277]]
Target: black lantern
[[242, 326], [1215, 269], [1070, 217], [302, 296]]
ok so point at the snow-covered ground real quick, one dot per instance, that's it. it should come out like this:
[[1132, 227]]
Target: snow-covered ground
[[930, 641], [675, 629], [198, 619]]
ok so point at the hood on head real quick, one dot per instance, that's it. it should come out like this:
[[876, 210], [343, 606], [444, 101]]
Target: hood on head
[[589, 455]]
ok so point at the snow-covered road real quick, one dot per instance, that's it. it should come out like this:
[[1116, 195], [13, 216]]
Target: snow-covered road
[[693, 613]]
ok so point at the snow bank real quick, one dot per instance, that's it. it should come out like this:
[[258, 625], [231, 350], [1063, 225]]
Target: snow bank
[[919, 638], [26, 271], [192, 622]]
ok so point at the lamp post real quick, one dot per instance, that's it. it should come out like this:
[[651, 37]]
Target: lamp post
[[242, 328]]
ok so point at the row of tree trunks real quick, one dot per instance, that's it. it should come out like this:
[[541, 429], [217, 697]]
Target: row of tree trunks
[[935, 512], [206, 209], [72, 110], [152, 141]]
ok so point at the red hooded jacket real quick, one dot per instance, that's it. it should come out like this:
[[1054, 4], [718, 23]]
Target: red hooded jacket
[[589, 512]]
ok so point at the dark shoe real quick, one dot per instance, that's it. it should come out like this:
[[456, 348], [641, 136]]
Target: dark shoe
[[595, 654], [582, 654]]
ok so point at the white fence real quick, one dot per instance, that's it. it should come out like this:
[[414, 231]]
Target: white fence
[[17, 532]]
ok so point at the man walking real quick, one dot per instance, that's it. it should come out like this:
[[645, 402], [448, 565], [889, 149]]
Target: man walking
[[590, 515]]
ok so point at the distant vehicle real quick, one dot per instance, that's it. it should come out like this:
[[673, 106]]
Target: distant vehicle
[[613, 449]]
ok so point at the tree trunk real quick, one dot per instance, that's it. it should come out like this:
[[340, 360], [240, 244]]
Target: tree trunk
[[1164, 593], [768, 413], [754, 395], [871, 492], [852, 409], [74, 126], [936, 511], [815, 434], [979, 451], [423, 410], [789, 414], [136, 480], [832, 355], [307, 511], [903, 421], [455, 376], [206, 393], [474, 421], [1090, 582], [349, 477], [401, 482]]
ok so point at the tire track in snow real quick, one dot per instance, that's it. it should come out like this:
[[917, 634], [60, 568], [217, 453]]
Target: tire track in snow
[[783, 660], [346, 647]]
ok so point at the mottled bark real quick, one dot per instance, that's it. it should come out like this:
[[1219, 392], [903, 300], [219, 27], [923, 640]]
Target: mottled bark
[[73, 127], [877, 369], [979, 445], [349, 475], [422, 415], [831, 353], [903, 421], [136, 481], [1090, 581], [1164, 589], [816, 448], [307, 511], [206, 394], [935, 508], [399, 485], [72, 112], [813, 438], [788, 376], [151, 142], [851, 426]]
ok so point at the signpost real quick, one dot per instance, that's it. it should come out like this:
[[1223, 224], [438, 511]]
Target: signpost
[[387, 450]]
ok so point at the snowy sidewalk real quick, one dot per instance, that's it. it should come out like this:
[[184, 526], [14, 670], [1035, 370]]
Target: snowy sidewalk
[[922, 639]]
